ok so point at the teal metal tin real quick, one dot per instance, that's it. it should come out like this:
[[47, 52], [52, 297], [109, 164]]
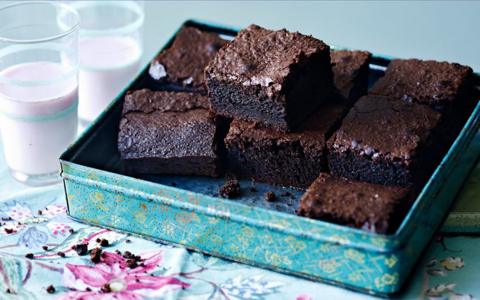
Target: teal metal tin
[[187, 211]]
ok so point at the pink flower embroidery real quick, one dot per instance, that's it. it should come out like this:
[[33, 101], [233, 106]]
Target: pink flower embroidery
[[113, 279], [304, 297]]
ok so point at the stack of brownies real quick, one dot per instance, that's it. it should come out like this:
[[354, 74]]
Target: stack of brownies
[[282, 108]]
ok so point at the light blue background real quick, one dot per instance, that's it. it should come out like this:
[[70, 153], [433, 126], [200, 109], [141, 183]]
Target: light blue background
[[442, 30]]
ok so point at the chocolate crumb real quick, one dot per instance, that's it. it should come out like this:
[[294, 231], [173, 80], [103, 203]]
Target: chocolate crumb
[[118, 252], [81, 249], [9, 291], [95, 255], [61, 254], [127, 254], [8, 230], [106, 288], [50, 289], [39, 212], [132, 263], [88, 289], [128, 241], [7, 219], [45, 247], [270, 196], [71, 230], [104, 243], [29, 255], [230, 190], [98, 240]]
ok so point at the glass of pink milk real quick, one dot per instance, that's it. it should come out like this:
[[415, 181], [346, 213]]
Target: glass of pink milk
[[110, 49], [38, 87]]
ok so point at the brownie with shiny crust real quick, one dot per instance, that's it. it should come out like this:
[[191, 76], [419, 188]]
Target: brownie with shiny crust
[[368, 206], [350, 72], [170, 133], [301, 155], [387, 141], [182, 64], [433, 83], [277, 78]]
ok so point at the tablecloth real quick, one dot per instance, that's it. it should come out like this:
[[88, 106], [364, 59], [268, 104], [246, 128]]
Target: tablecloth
[[34, 223]]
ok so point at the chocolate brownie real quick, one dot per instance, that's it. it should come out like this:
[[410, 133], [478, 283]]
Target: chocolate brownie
[[387, 141], [445, 87], [296, 158], [170, 133], [437, 84], [183, 63], [277, 78], [368, 206], [350, 72]]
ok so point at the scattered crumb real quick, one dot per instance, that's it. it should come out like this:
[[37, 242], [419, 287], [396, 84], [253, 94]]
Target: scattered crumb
[[88, 289], [8, 230], [45, 247], [50, 289], [39, 212], [106, 288], [98, 240], [270, 196], [9, 291], [29, 255], [104, 243], [128, 241], [81, 249], [71, 230], [132, 263], [95, 255], [230, 190], [61, 254]]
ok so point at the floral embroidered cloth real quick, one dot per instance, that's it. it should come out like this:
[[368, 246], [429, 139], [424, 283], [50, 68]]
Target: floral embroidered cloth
[[34, 224]]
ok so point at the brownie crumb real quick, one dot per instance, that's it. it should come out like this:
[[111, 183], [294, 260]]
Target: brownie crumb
[[132, 263], [9, 291], [98, 240], [95, 255], [50, 289], [127, 254], [230, 190], [118, 252], [7, 219], [8, 230], [61, 254], [71, 230], [88, 289], [39, 212], [270, 196], [29, 255], [106, 288], [128, 241], [45, 247], [81, 249], [104, 243]]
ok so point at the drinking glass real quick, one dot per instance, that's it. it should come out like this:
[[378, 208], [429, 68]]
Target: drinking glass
[[110, 49], [38, 87]]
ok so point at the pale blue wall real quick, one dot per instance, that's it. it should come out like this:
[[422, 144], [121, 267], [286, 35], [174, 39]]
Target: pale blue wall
[[444, 30]]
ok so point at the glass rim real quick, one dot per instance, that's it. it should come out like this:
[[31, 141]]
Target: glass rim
[[66, 31], [130, 27]]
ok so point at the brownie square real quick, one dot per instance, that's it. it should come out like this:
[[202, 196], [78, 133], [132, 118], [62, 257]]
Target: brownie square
[[350, 72], [371, 207], [182, 64], [286, 158], [296, 158], [433, 83], [387, 141], [170, 133], [277, 78], [445, 87]]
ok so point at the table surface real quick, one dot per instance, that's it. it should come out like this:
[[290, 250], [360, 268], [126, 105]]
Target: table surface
[[449, 270]]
